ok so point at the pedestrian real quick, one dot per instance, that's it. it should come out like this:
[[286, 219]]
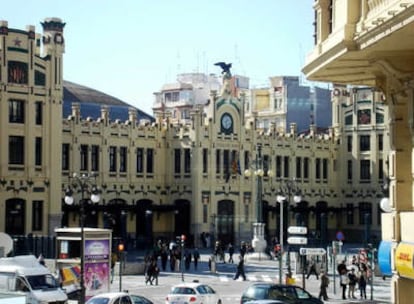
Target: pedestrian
[[240, 269], [231, 252], [187, 259], [352, 282], [196, 256], [312, 270], [362, 281], [344, 281], [324, 286]]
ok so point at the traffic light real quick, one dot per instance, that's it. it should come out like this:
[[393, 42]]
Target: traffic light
[[278, 251], [182, 240]]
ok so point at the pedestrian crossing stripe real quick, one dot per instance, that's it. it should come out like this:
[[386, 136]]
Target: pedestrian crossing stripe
[[261, 278]]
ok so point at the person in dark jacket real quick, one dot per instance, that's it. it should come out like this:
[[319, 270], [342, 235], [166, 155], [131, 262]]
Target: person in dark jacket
[[240, 269]]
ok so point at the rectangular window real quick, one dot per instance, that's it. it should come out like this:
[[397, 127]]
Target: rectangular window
[[177, 161], [306, 167], [140, 160], [349, 170], [16, 150], [286, 166], [37, 215], [266, 164], [205, 160], [349, 214], [95, 158], [205, 213], [84, 158], [16, 111], [365, 170], [226, 163], [380, 142], [218, 167], [38, 151], [187, 160], [278, 166], [364, 143], [123, 159], [349, 143], [246, 160], [150, 160], [325, 169], [380, 169], [318, 168], [112, 159], [65, 156], [365, 214], [39, 113], [17, 72], [298, 167]]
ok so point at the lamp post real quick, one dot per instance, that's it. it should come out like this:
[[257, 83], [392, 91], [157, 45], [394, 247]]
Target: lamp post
[[259, 242], [289, 190], [86, 182]]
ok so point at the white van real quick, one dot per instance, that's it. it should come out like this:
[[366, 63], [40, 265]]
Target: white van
[[25, 275]]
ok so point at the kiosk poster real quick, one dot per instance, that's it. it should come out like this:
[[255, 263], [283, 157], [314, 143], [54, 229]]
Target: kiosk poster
[[96, 267]]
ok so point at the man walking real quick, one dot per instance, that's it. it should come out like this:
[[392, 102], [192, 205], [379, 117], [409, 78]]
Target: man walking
[[231, 252], [196, 256], [240, 269], [324, 286]]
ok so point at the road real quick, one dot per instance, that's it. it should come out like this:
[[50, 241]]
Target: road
[[230, 290]]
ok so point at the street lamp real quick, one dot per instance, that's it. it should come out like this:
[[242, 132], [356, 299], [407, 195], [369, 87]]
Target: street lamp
[[259, 242], [289, 190], [86, 182]]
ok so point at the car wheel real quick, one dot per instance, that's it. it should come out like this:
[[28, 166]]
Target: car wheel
[[219, 301]]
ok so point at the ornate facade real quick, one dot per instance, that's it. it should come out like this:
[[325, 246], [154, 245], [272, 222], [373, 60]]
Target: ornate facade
[[370, 43], [169, 177]]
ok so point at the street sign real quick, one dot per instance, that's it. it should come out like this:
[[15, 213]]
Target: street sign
[[297, 240], [340, 236], [297, 230], [312, 251]]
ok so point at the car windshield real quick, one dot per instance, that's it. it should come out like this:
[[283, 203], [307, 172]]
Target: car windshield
[[44, 281], [256, 292], [302, 294], [183, 290], [98, 301]]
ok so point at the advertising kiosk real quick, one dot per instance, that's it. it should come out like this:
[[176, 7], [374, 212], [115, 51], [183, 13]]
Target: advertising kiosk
[[96, 249]]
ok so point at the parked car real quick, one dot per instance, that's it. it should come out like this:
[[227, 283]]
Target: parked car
[[194, 293], [266, 302], [118, 297], [286, 293]]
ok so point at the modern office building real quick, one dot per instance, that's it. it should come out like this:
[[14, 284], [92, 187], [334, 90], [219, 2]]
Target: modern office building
[[370, 43], [166, 176]]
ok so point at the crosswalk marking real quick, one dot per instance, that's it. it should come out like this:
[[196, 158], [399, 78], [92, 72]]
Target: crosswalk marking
[[252, 278]]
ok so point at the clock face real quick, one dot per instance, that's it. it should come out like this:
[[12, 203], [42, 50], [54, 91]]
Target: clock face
[[226, 123]]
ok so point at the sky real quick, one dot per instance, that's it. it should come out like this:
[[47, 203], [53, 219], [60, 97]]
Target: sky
[[130, 48]]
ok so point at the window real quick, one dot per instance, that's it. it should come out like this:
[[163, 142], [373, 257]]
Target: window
[[318, 168], [349, 214], [349, 143], [365, 170], [16, 111], [95, 158], [348, 120], [278, 166], [177, 161], [205, 160], [37, 215], [380, 142], [39, 113], [365, 214], [38, 151], [65, 156], [17, 72], [298, 167], [150, 160], [112, 159], [306, 167], [218, 161], [246, 160], [325, 168], [349, 170], [364, 117], [123, 157], [140, 160], [187, 161], [16, 150], [226, 162], [286, 166], [364, 143], [40, 78], [84, 157], [380, 169]]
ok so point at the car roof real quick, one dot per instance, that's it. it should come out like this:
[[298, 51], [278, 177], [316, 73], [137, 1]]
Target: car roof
[[192, 285]]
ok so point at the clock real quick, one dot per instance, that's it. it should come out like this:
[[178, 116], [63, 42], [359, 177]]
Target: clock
[[226, 123]]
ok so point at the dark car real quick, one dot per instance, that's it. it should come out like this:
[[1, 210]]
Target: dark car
[[286, 293]]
